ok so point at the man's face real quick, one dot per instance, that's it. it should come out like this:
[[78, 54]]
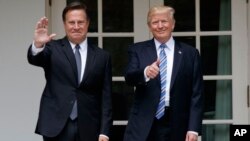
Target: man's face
[[161, 25], [76, 25]]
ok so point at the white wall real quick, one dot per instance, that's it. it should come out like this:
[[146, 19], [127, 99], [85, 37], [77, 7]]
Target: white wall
[[248, 11], [20, 83]]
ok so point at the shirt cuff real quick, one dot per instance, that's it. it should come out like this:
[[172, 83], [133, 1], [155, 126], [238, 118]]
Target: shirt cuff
[[145, 76], [193, 132], [36, 50], [104, 136]]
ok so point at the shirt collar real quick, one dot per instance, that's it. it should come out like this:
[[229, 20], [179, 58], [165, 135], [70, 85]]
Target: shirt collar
[[169, 43], [83, 45]]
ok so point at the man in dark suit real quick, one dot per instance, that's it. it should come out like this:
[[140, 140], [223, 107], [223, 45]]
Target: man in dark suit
[[169, 85], [76, 101]]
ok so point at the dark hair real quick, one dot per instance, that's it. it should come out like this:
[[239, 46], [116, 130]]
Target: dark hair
[[74, 6]]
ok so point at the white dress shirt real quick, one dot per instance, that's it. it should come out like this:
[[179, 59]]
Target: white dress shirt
[[83, 51], [169, 50]]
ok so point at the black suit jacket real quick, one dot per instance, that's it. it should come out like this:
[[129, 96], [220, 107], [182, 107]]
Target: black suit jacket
[[61, 89], [186, 88]]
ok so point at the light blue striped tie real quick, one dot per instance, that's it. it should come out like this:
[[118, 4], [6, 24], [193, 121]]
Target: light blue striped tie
[[163, 76]]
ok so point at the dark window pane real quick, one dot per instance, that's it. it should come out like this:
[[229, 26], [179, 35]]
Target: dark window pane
[[118, 46], [93, 40], [117, 133], [216, 53], [184, 14], [218, 99], [215, 15], [188, 40], [118, 16], [92, 11], [215, 132], [122, 100]]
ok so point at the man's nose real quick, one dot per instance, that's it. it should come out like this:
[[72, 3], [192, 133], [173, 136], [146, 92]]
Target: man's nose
[[76, 25], [160, 24]]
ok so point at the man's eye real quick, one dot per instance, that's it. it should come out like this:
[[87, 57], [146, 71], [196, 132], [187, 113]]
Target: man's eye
[[81, 23], [164, 21], [155, 22]]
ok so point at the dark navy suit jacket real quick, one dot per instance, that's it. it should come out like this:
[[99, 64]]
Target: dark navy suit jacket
[[186, 91], [61, 89]]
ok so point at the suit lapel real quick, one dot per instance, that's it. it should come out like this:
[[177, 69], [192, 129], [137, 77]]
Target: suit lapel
[[151, 55], [90, 62], [177, 61], [67, 49]]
